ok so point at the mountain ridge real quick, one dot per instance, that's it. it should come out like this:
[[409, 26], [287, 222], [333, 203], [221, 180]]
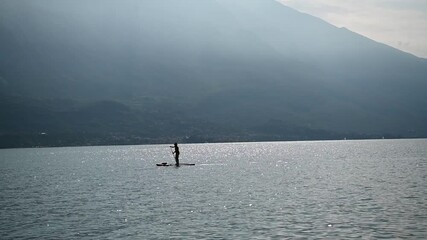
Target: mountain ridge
[[199, 70]]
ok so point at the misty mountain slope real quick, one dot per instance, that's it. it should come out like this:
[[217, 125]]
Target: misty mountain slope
[[218, 69]]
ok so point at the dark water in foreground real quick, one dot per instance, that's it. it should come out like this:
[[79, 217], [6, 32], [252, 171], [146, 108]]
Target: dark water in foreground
[[335, 190]]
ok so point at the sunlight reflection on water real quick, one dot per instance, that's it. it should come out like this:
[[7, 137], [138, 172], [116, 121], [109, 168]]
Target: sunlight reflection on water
[[331, 189]]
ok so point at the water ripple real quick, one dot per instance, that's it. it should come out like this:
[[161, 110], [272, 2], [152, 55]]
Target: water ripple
[[297, 190]]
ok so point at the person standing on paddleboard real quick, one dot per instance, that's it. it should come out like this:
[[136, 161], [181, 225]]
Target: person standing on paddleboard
[[176, 152]]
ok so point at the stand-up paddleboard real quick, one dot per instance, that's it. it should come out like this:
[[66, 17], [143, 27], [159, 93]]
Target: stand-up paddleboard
[[168, 164]]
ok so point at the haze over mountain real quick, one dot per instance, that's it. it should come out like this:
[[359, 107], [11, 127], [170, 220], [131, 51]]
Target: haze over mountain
[[142, 71]]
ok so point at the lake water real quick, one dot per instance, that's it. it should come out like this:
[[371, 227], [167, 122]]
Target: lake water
[[307, 190]]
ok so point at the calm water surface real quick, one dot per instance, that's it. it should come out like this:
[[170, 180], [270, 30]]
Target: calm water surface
[[306, 190]]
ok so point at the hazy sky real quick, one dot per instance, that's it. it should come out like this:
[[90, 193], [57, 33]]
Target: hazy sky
[[399, 23]]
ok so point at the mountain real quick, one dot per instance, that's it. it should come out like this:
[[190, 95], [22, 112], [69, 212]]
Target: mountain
[[142, 71]]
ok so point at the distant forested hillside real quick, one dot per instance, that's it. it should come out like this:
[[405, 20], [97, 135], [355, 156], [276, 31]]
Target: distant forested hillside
[[141, 71]]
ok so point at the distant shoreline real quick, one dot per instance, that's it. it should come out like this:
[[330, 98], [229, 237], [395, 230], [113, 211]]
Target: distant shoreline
[[213, 142]]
